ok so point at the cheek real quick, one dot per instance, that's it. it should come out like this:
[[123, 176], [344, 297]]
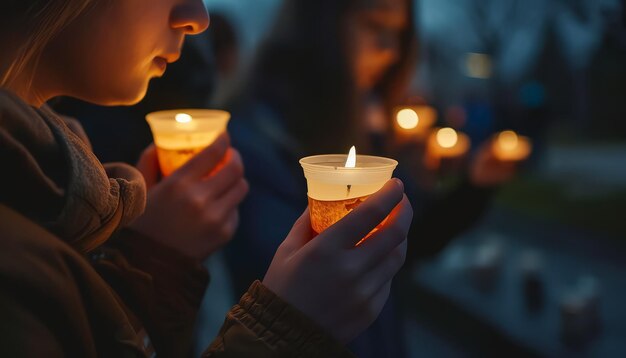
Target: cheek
[[120, 49], [113, 77]]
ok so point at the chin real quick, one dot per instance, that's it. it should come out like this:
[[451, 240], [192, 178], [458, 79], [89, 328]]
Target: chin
[[132, 101], [126, 94], [126, 97]]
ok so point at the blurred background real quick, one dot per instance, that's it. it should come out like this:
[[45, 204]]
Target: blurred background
[[539, 270]]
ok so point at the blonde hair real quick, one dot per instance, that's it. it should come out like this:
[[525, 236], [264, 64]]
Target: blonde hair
[[43, 19]]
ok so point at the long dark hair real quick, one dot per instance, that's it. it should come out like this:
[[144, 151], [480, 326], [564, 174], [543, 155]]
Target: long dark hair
[[303, 67]]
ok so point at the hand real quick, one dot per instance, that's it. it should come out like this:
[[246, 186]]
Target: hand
[[342, 287], [486, 170], [194, 210]]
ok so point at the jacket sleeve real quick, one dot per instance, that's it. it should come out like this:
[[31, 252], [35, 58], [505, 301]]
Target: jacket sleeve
[[263, 325], [162, 287]]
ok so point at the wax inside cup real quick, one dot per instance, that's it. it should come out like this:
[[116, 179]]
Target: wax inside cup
[[178, 142], [334, 190]]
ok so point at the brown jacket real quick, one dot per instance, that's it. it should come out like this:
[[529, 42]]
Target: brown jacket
[[68, 288]]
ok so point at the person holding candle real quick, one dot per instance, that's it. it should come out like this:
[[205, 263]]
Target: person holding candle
[[63, 292], [121, 134], [327, 78], [311, 92]]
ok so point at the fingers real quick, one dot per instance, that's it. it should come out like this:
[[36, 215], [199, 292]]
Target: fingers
[[200, 165], [393, 233], [229, 201], [148, 165], [384, 271], [380, 299], [227, 176], [231, 225], [299, 235], [366, 313], [357, 224]]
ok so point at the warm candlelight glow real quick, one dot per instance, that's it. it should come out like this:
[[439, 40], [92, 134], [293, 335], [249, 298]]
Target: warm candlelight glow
[[335, 189], [181, 134], [183, 118], [351, 161], [508, 140], [508, 146], [445, 144], [407, 119], [447, 137], [412, 122]]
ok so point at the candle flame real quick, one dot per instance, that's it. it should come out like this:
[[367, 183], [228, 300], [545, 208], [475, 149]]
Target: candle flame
[[508, 140], [183, 118], [407, 118], [351, 162], [447, 137]]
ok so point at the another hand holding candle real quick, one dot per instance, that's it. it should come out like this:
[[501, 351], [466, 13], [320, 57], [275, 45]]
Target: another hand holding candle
[[194, 210], [342, 287]]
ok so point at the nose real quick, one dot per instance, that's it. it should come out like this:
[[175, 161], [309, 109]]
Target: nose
[[190, 16]]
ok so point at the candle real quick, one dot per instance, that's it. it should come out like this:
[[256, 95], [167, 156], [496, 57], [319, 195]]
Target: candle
[[181, 134], [412, 122], [445, 143], [508, 146], [339, 183]]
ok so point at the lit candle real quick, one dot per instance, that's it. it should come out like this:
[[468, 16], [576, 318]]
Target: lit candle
[[508, 146], [412, 122], [338, 183], [448, 143], [181, 134], [445, 143]]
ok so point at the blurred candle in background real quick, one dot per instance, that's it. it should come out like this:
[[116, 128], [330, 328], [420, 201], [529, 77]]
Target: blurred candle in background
[[446, 143], [508, 146], [181, 134], [413, 122]]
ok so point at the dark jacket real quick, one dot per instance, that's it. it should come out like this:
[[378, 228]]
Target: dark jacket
[[68, 289]]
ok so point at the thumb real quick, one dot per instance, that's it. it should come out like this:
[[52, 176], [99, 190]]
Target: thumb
[[300, 234], [148, 165]]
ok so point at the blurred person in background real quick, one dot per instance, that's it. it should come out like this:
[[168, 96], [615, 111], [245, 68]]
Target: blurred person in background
[[225, 43], [328, 77]]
